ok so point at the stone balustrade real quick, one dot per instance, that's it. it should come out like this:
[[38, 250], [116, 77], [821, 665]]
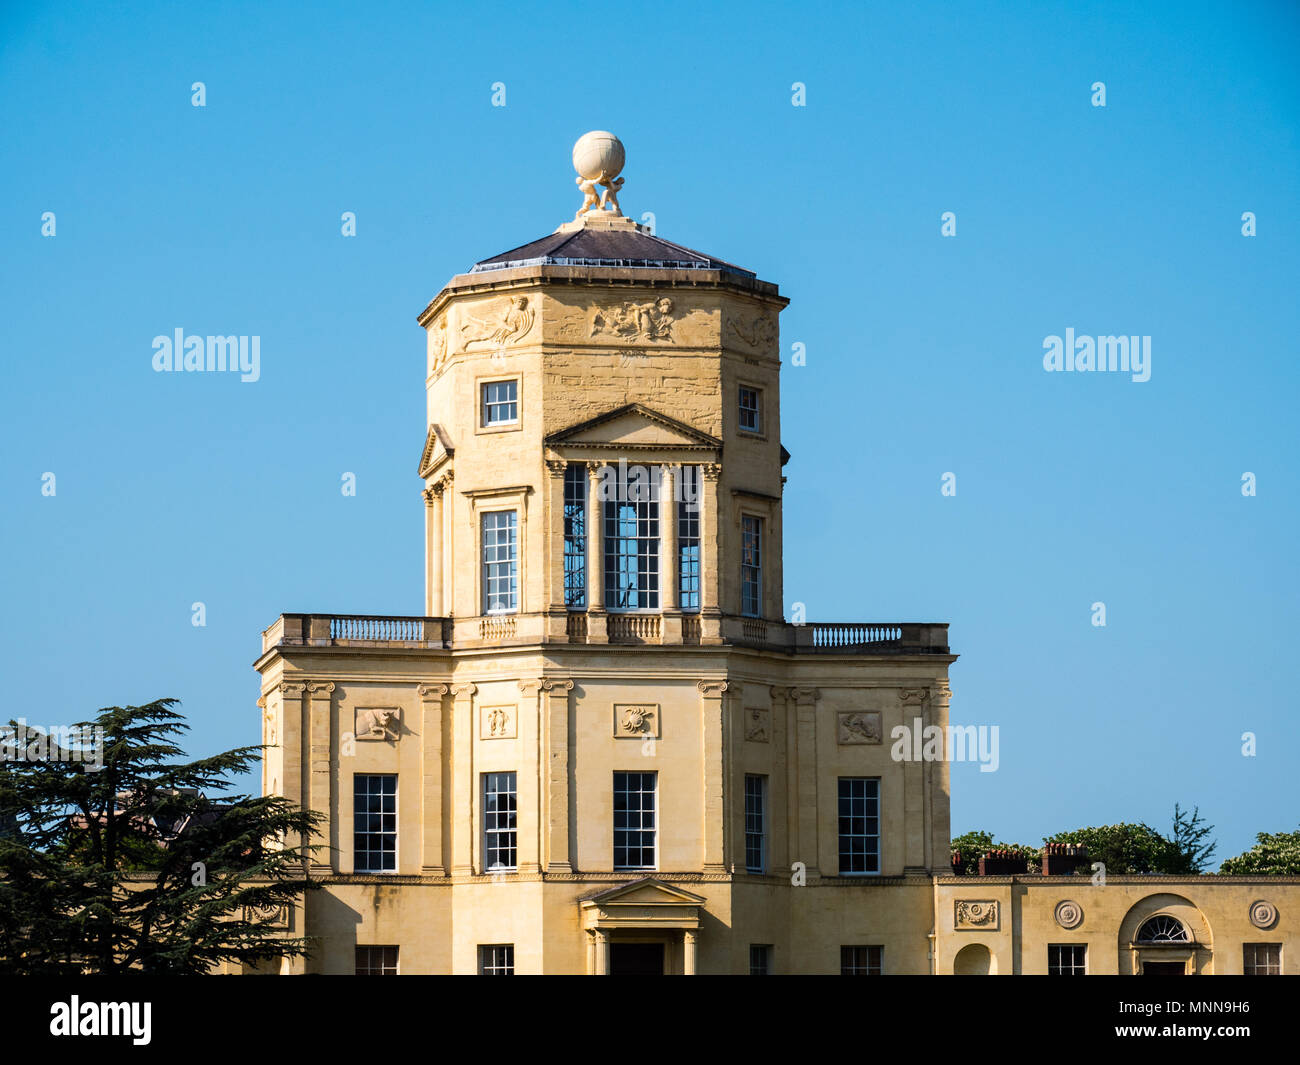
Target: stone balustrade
[[821, 638]]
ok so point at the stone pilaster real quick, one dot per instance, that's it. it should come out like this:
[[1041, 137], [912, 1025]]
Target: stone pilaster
[[557, 851], [321, 767], [433, 523], [463, 802], [293, 737], [431, 697], [530, 787], [784, 725], [808, 799], [939, 790], [713, 804], [915, 772]]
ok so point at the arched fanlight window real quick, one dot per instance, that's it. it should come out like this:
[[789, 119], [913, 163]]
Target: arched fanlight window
[[1162, 929]]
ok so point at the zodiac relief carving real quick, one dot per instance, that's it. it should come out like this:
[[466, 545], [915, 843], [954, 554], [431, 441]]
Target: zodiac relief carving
[[512, 323], [636, 720], [377, 723], [859, 727], [497, 723], [756, 730], [757, 332], [651, 320]]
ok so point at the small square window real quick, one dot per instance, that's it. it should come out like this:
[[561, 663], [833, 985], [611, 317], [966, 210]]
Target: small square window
[[376, 961], [751, 416], [861, 961], [1067, 959], [1263, 959], [496, 959], [500, 402]]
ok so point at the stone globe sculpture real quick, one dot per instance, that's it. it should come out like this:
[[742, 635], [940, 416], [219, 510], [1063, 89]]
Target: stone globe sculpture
[[598, 158]]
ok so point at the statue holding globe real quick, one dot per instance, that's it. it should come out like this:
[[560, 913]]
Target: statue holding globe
[[598, 157]]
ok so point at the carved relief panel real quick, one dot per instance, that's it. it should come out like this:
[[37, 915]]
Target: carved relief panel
[[498, 722], [636, 721]]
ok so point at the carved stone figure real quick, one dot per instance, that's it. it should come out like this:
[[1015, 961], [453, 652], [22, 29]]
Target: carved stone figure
[[514, 322], [598, 157], [756, 725], [651, 320], [759, 332], [497, 721], [861, 727], [438, 345], [377, 723]]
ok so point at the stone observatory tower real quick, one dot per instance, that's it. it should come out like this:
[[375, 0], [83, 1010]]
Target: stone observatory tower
[[603, 749]]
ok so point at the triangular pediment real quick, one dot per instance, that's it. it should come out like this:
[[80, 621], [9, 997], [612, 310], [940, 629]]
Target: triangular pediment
[[631, 427], [645, 892], [437, 449]]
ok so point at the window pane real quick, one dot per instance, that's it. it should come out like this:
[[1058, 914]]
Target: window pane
[[500, 402], [631, 530], [859, 825], [374, 828], [499, 822], [575, 536], [688, 540], [755, 824], [634, 820], [751, 567], [500, 563]]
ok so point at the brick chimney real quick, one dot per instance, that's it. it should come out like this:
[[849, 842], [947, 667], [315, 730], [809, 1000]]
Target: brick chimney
[[1001, 863], [1062, 859]]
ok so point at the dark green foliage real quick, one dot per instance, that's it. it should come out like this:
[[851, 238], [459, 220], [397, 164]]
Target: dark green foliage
[[132, 867]]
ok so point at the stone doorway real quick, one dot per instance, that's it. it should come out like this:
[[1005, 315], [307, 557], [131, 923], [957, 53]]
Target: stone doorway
[[636, 959]]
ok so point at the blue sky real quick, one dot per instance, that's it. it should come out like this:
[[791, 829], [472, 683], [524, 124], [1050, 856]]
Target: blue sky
[[924, 353]]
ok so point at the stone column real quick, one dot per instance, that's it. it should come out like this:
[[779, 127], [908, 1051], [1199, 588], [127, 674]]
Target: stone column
[[530, 785], [597, 628], [915, 771], [710, 572], [805, 700], [785, 846], [557, 620], [602, 953], [293, 737], [591, 954], [431, 696], [320, 772], [556, 851], [688, 952], [668, 560], [433, 548], [462, 783], [713, 809], [939, 790]]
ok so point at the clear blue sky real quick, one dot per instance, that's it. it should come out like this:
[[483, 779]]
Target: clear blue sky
[[924, 353]]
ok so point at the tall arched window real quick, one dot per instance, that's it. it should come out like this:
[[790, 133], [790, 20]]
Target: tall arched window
[[1162, 929]]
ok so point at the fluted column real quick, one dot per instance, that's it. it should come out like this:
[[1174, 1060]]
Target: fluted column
[[602, 953], [597, 629], [688, 952]]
